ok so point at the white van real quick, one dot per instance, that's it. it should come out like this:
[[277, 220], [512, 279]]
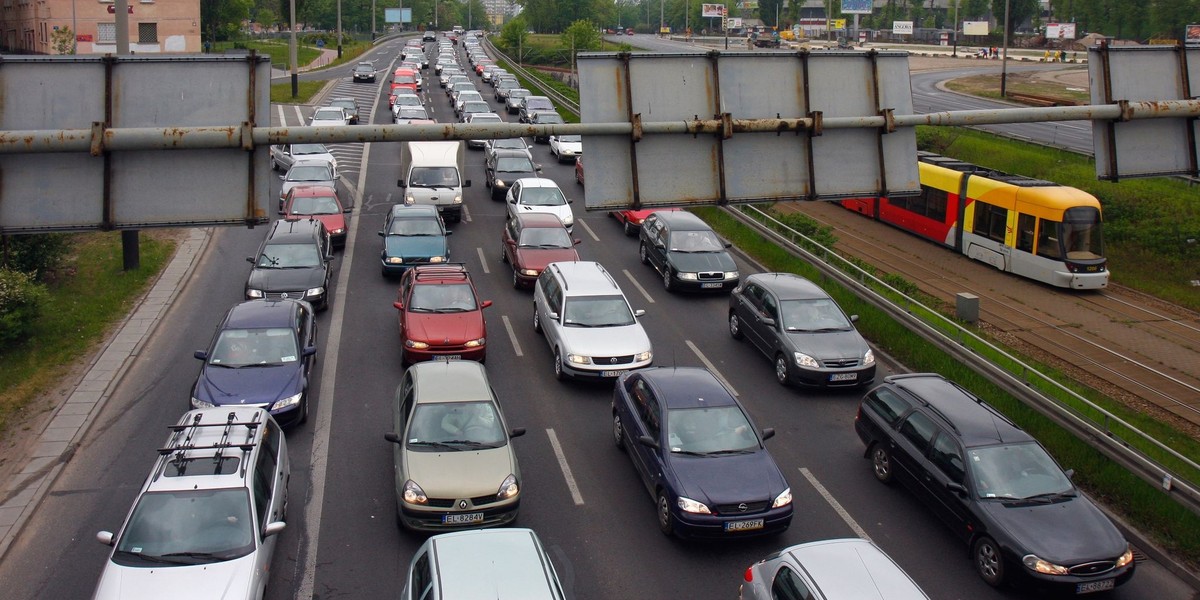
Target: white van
[[431, 173], [498, 564]]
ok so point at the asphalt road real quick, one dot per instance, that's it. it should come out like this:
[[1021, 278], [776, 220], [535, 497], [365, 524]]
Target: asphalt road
[[342, 540]]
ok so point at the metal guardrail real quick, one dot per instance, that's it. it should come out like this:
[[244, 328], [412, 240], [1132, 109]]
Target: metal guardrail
[[1108, 433]]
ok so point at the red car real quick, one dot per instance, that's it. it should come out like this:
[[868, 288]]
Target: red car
[[533, 240], [441, 316], [579, 169], [403, 79], [632, 219], [320, 202]]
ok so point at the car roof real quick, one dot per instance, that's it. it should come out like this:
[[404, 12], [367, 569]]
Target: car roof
[[539, 219], [788, 286], [680, 220], [187, 462], [854, 568], [286, 231], [976, 422], [537, 182], [413, 211], [261, 313], [450, 381], [687, 387], [313, 161], [502, 564], [511, 152], [585, 278]]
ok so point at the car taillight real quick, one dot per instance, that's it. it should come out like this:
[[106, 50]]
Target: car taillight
[[749, 576]]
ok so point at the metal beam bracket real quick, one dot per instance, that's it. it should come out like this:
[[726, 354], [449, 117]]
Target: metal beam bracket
[[636, 133], [1126, 111], [247, 136], [97, 138], [818, 122], [726, 125], [889, 120]]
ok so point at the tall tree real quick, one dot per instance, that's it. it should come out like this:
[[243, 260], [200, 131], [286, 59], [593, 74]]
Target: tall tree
[[1018, 12]]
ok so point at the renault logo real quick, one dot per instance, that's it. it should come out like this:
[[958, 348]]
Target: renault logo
[[613, 360], [463, 504], [283, 295], [742, 507]]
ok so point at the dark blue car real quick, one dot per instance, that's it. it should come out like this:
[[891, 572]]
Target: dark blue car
[[413, 235], [699, 455], [261, 355]]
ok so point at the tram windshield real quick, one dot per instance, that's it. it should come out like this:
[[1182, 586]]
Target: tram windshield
[[1077, 237]]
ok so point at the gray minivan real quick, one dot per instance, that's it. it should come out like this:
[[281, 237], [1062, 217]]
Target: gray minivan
[[498, 564]]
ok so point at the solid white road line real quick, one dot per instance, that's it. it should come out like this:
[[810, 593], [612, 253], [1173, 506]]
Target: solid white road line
[[466, 214], [483, 261], [837, 507], [589, 229], [704, 359], [512, 335], [566, 469], [638, 286]]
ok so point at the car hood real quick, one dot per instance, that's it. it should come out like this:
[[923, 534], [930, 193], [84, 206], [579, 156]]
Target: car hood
[[286, 280], [414, 245], [575, 147], [538, 258], [331, 222], [694, 262], [1065, 533], [606, 341], [466, 474], [229, 579], [287, 185], [828, 344], [728, 479], [249, 385], [448, 328], [563, 212]]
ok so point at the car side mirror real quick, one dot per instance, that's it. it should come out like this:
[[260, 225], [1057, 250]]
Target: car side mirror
[[399, 305], [201, 354], [250, 259], [537, 168], [570, 201], [467, 183], [282, 177], [553, 316], [449, 232], [485, 304], [348, 209], [728, 244], [382, 233], [516, 432], [105, 537], [768, 321], [768, 433], [392, 437], [648, 441], [639, 312], [512, 200], [309, 350], [577, 241], [853, 318], [956, 487], [1070, 473], [399, 183], [273, 528]]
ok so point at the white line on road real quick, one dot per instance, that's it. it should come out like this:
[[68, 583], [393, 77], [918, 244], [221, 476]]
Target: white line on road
[[299, 115], [566, 469], [859, 531], [466, 214], [512, 335], [589, 229], [482, 260], [638, 285], [704, 359]]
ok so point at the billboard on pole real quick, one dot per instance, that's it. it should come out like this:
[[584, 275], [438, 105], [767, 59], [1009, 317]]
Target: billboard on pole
[[397, 15], [857, 7], [975, 27], [902, 27], [712, 10], [1060, 31]]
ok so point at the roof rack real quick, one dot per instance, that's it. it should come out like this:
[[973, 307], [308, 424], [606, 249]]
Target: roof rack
[[182, 441], [440, 270]]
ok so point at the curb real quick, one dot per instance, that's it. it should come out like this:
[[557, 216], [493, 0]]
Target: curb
[[75, 417]]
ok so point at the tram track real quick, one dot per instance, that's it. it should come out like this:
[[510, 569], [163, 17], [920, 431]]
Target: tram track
[[1139, 350]]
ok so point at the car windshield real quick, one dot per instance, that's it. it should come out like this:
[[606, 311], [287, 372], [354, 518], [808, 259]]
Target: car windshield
[[315, 205], [695, 241], [188, 527], [302, 149], [405, 79], [570, 139], [547, 196], [517, 94], [474, 107], [415, 227], [469, 96], [410, 100], [486, 118], [364, 68], [328, 115], [455, 426], [710, 430], [545, 237], [346, 104], [532, 104], [289, 256], [442, 298], [510, 143], [597, 311], [265, 346], [813, 315], [514, 164], [1017, 471], [309, 173], [434, 177], [413, 112]]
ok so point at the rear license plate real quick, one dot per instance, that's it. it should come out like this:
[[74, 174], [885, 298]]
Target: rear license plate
[[450, 356], [843, 377], [710, 285], [462, 519], [744, 525], [1095, 586], [611, 373]]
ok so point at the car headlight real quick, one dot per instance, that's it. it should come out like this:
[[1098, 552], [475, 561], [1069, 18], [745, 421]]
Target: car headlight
[[804, 360], [783, 499], [579, 360], [395, 260], [530, 272], [338, 231], [731, 274], [437, 259], [476, 343], [508, 488], [869, 357], [1038, 565], [687, 276], [317, 291], [251, 293], [289, 401], [415, 344], [569, 220], [413, 494], [198, 403], [1125, 558], [691, 506], [409, 200], [499, 183], [458, 199], [640, 356]]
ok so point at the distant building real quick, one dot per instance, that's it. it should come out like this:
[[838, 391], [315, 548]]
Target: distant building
[[155, 26], [499, 11]]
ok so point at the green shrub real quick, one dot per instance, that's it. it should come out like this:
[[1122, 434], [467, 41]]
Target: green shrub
[[37, 254], [21, 298]]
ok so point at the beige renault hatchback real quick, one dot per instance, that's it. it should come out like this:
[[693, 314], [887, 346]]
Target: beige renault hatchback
[[455, 468]]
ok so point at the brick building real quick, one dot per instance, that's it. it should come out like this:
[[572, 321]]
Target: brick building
[[155, 26]]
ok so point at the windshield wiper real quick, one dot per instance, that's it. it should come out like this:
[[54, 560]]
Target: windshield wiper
[[439, 445], [1050, 496], [470, 444], [688, 452], [729, 452], [211, 556], [151, 558], [451, 309]]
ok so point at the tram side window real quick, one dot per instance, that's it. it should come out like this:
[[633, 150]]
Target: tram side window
[[1048, 245], [990, 221], [1025, 226], [935, 204]]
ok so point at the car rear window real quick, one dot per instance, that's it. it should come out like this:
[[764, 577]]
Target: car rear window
[[887, 404]]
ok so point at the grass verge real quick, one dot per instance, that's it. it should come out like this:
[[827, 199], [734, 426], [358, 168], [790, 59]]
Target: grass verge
[[90, 294], [281, 93], [1143, 505]]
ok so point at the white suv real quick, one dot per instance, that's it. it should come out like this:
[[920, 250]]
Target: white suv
[[587, 322], [208, 513]]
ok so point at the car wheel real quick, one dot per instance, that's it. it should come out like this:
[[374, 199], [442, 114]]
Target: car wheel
[[558, 366], [643, 254], [537, 321], [629, 230], [618, 432], [735, 326], [503, 253], [781, 369], [274, 165], [303, 411], [988, 561], [881, 464], [516, 280], [667, 283], [666, 522]]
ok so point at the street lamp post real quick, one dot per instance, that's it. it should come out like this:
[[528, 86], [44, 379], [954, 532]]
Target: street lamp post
[[956, 3], [339, 27], [661, 21], [1004, 59]]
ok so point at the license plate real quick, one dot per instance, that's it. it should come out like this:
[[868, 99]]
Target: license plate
[[450, 356], [611, 373], [744, 525], [462, 519], [843, 377], [710, 285], [1094, 586]]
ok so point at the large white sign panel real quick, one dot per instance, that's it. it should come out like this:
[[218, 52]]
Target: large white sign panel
[[975, 27], [1144, 147], [712, 10], [74, 191], [681, 169], [1060, 31], [902, 27]]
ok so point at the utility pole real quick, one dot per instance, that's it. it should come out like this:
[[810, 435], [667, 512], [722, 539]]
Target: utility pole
[[292, 53], [956, 3], [1004, 59], [661, 21], [339, 27], [372, 20], [130, 253]]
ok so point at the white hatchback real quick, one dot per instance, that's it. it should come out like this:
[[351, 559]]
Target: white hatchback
[[538, 194], [329, 115]]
